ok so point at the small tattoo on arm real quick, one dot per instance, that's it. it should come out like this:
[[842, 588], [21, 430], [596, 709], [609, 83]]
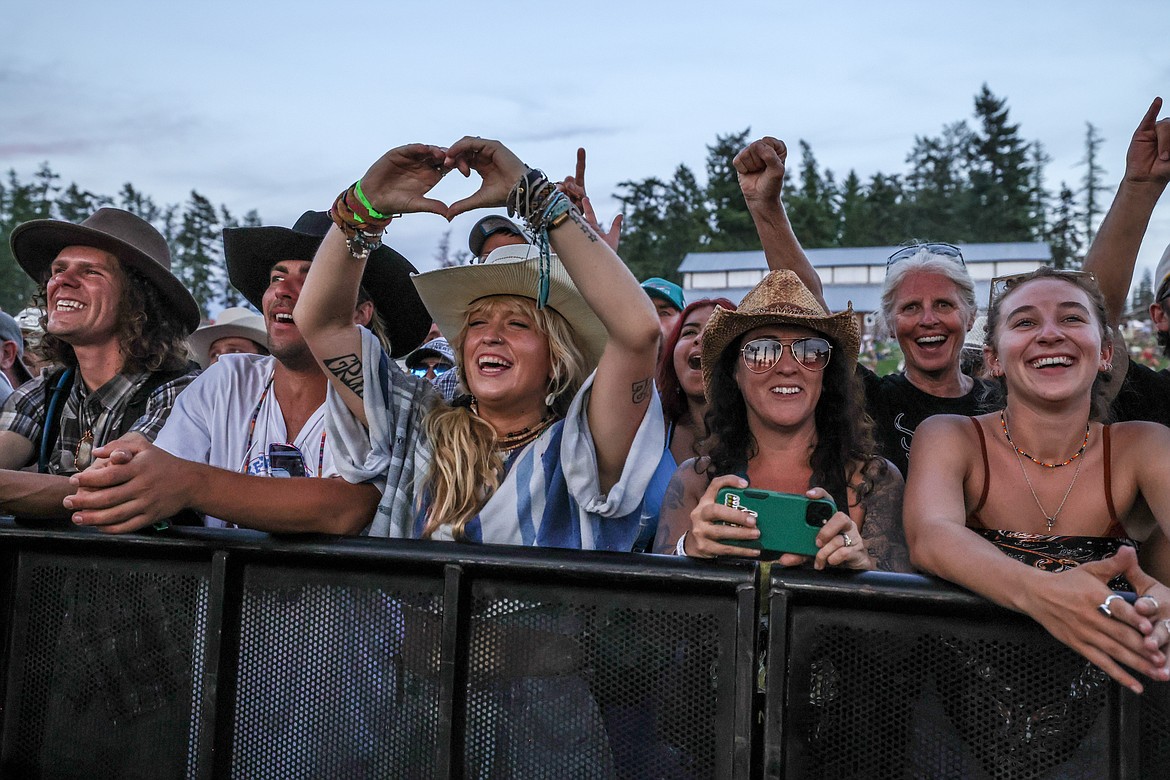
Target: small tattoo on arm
[[589, 232], [348, 370], [641, 390]]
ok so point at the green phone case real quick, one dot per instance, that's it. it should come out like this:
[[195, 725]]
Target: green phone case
[[788, 523]]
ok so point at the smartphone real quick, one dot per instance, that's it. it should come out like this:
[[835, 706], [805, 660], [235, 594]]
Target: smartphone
[[788, 523], [285, 460]]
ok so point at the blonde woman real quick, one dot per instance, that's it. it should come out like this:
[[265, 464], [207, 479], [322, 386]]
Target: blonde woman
[[559, 430]]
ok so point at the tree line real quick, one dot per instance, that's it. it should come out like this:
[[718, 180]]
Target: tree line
[[192, 231], [973, 182]]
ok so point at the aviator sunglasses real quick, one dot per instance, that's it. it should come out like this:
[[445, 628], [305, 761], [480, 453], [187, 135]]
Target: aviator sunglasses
[[760, 355], [439, 369], [1002, 285], [946, 250]]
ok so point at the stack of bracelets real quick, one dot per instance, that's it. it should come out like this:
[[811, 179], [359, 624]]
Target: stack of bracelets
[[543, 207], [362, 224]]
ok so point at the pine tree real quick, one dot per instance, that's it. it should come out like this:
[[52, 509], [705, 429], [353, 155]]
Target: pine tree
[[1064, 231], [1092, 184], [196, 250], [937, 191], [1001, 175], [19, 203], [812, 209], [1143, 296], [76, 204], [732, 228]]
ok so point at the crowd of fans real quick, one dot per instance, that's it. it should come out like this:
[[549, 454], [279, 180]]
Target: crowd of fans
[[547, 397]]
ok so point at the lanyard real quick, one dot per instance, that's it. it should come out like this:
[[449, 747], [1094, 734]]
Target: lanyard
[[252, 431]]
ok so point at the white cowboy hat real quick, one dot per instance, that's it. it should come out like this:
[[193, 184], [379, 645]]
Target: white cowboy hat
[[234, 322], [510, 270]]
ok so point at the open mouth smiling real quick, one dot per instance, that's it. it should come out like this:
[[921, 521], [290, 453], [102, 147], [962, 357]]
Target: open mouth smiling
[[1055, 360]]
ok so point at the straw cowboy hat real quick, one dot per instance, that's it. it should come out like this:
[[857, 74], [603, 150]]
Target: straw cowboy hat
[[779, 299], [510, 270], [252, 251], [131, 239], [236, 322]]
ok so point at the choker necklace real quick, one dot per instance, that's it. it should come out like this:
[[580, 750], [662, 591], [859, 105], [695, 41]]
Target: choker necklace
[[1037, 461], [517, 439]]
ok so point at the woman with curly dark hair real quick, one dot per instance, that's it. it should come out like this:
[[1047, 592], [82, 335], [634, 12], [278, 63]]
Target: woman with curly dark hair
[[785, 416]]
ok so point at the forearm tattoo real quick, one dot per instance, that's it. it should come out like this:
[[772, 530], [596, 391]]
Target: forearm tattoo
[[348, 370], [641, 391], [589, 232], [883, 532], [668, 516]]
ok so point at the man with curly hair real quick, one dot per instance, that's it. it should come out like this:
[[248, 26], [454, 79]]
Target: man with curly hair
[[115, 324]]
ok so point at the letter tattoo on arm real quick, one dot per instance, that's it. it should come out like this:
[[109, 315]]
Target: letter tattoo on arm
[[641, 391], [348, 370]]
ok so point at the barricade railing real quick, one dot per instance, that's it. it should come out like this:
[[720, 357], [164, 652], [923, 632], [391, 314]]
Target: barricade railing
[[202, 653]]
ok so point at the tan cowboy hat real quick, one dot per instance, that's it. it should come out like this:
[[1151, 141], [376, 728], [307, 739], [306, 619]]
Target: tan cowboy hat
[[779, 299], [131, 239], [236, 322], [510, 270]]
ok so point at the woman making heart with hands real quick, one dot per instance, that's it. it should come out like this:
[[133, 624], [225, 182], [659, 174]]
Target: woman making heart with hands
[[558, 428]]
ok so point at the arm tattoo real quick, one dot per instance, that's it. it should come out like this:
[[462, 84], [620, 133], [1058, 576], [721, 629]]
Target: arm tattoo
[[581, 223], [884, 536], [672, 505], [348, 370], [641, 390]]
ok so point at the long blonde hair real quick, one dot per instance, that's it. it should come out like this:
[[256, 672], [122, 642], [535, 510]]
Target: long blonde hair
[[467, 468]]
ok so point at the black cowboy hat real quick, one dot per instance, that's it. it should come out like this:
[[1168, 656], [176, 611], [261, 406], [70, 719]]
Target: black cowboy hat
[[252, 251], [131, 239]]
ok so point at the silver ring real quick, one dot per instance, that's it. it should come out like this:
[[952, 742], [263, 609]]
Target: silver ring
[[1103, 607], [1157, 606], [848, 541]]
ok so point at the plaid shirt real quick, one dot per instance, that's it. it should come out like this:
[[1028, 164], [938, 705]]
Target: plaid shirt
[[99, 411]]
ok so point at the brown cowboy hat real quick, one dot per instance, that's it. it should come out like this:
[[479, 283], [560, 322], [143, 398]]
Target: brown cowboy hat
[[779, 299], [131, 239], [252, 251]]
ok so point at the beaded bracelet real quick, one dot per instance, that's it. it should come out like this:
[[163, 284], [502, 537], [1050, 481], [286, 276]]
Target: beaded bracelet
[[359, 221], [542, 207]]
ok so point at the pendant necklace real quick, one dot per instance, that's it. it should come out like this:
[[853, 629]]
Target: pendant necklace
[[1049, 519]]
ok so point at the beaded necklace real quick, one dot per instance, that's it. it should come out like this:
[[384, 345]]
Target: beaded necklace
[[517, 439], [1037, 461]]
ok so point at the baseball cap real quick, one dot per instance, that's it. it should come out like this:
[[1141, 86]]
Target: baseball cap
[[434, 348], [663, 290], [489, 226]]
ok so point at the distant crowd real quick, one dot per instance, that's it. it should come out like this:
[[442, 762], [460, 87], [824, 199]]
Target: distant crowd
[[543, 396]]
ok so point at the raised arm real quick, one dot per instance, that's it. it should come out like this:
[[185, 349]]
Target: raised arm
[[396, 184], [624, 382], [1066, 604], [761, 180], [1115, 248]]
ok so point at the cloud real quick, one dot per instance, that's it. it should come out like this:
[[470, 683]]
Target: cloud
[[562, 133]]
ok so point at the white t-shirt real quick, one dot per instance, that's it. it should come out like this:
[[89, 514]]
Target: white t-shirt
[[211, 422]]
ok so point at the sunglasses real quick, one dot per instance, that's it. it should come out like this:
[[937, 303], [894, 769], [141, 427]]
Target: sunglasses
[[439, 370], [1002, 285], [760, 355], [946, 250]]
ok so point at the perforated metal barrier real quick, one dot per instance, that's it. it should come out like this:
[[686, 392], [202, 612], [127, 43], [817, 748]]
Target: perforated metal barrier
[[204, 653]]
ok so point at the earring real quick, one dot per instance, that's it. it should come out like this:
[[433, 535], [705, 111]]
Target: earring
[[549, 400]]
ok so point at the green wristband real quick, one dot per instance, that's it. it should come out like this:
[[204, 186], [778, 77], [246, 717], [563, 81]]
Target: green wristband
[[357, 188]]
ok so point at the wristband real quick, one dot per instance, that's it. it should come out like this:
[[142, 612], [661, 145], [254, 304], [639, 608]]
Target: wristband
[[681, 547]]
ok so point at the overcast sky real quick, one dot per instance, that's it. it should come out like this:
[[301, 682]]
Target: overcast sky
[[278, 106]]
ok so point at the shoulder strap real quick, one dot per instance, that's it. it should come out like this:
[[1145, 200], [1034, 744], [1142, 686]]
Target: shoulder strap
[[986, 467], [61, 380], [1113, 521], [136, 406]]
